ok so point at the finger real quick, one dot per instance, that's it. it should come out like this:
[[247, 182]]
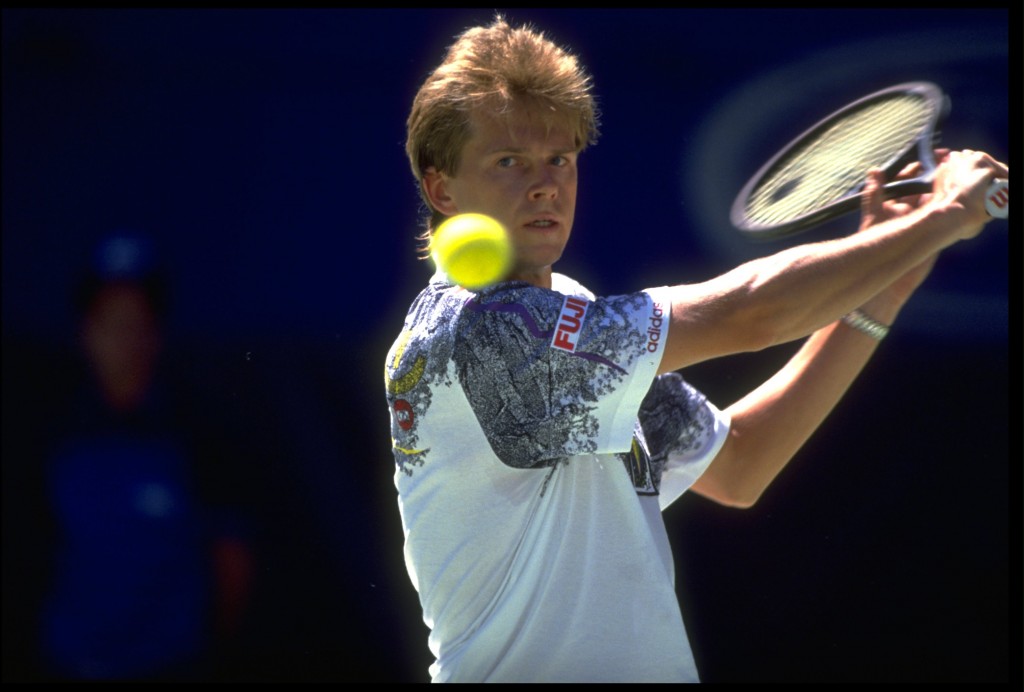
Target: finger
[[999, 169], [966, 178], [872, 198], [911, 169], [915, 168]]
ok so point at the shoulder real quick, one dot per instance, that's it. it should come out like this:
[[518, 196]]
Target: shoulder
[[568, 286]]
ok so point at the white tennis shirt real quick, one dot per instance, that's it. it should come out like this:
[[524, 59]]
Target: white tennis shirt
[[529, 491]]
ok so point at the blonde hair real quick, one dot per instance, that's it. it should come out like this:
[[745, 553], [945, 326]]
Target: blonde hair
[[494, 66]]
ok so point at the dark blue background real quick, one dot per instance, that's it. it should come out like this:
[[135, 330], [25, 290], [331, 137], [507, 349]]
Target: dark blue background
[[263, 149]]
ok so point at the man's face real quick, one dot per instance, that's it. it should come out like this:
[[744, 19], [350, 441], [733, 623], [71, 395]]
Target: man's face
[[122, 339], [523, 174]]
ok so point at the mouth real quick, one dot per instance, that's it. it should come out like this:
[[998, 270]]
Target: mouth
[[542, 224]]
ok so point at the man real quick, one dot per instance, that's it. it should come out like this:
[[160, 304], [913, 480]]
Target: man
[[539, 430], [150, 561]]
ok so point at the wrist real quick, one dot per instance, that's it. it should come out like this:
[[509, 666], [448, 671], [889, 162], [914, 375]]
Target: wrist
[[949, 219], [883, 308]]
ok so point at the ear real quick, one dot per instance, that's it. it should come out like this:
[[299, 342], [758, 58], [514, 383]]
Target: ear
[[435, 187]]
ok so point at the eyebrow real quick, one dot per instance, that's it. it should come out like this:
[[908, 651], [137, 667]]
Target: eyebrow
[[521, 150]]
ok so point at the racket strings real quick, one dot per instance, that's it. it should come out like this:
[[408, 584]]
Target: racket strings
[[834, 163]]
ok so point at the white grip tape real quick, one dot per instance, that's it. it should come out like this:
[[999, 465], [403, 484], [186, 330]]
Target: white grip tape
[[997, 199]]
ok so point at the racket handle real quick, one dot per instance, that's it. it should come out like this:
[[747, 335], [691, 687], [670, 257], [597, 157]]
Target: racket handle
[[997, 199]]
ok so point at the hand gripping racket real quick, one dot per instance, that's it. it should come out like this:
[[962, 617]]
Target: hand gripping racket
[[819, 175]]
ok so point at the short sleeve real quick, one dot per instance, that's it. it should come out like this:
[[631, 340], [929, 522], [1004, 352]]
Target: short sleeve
[[551, 375], [683, 430]]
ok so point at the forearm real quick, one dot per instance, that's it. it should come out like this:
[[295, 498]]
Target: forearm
[[810, 288], [790, 294], [772, 423]]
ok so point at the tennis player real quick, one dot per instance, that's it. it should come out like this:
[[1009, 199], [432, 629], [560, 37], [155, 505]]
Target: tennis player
[[539, 431]]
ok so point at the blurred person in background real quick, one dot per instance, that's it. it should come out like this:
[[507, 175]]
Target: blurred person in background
[[146, 555]]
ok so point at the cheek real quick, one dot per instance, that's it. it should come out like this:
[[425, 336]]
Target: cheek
[[569, 183], [569, 199], [507, 187], [490, 190]]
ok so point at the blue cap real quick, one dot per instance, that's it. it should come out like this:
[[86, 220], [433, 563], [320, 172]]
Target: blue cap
[[124, 257]]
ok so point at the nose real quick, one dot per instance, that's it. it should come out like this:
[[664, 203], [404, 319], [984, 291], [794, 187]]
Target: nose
[[544, 187]]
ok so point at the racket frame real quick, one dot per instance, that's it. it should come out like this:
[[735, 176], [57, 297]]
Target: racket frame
[[921, 149]]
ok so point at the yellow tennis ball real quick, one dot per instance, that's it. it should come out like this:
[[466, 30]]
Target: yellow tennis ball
[[472, 249]]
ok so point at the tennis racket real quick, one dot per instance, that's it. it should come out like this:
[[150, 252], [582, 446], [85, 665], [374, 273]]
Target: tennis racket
[[819, 176]]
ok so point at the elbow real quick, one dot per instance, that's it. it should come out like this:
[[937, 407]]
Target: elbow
[[741, 498], [729, 492], [754, 453], [748, 501], [740, 473]]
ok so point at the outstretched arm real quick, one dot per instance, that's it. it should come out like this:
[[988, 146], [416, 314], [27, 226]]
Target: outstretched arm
[[771, 423], [788, 295]]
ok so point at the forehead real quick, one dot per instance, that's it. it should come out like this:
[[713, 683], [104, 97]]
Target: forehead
[[120, 297], [518, 127]]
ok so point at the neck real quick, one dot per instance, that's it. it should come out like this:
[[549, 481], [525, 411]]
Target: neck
[[538, 277]]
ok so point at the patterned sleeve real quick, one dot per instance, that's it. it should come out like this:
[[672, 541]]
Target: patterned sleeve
[[550, 375], [683, 431]]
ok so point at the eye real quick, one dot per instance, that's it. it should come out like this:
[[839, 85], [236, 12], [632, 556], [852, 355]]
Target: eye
[[560, 160], [506, 162]]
